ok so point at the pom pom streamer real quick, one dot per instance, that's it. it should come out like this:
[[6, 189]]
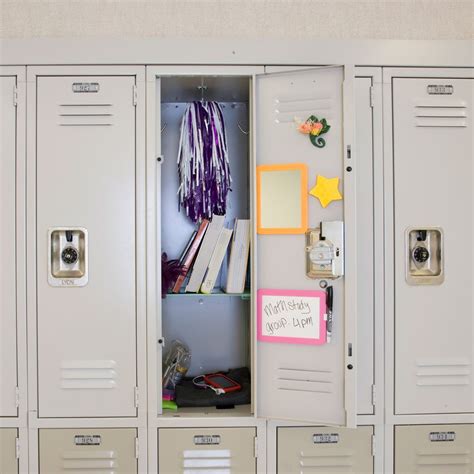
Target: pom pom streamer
[[203, 162]]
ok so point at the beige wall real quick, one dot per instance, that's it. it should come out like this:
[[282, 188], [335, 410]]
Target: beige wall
[[296, 19]]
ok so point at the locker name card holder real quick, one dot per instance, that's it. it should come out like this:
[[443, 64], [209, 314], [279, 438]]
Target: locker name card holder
[[438, 89], [440, 436], [85, 87], [87, 440], [291, 316], [207, 440], [325, 438]]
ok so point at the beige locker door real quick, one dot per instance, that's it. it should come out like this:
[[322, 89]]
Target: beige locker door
[[110, 450], [443, 449], [323, 450], [8, 335], [433, 176], [8, 460], [207, 451], [306, 382], [86, 162]]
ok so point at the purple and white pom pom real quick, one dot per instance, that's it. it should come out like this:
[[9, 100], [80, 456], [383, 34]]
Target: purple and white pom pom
[[203, 162]]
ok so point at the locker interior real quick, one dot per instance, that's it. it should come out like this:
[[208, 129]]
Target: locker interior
[[216, 327]]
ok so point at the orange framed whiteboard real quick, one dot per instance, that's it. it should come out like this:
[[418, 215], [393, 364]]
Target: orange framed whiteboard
[[282, 199]]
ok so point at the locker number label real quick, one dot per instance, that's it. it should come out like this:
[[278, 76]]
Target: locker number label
[[85, 87], [207, 439], [442, 436], [87, 440], [438, 89], [325, 438]]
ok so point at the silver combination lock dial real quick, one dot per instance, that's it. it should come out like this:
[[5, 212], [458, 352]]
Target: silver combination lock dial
[[421, 254], [69, 255]]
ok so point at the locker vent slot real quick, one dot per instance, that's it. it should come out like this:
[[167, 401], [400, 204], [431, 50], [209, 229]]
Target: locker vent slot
[[207, 461], [443, 462], [441, 113], [88, 374], [305, 380], [340, 461], [86, 461], [439, 372], [85, 115], [288, 108]]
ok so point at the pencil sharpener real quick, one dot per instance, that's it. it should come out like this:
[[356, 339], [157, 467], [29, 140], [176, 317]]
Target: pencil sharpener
[[424, 256], [325, 251], [67, 257]]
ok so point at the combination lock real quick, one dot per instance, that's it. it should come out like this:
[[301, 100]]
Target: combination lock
[[69, 255], [421, 254]]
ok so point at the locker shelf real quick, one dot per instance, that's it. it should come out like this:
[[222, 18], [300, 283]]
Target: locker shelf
[[199, 412], [216, 292]]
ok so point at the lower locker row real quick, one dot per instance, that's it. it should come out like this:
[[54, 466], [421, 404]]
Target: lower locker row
[[417, 448]]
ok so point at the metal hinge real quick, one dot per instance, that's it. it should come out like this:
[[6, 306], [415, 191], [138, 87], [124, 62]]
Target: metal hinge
[[255, 452], [372, 96], [135, 95], [374, 395], [136, 397], [17, 396], [137, 447], [15, 96], [17, 448], [373, 445]]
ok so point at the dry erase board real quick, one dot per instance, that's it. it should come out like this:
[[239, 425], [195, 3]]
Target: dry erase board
[[291, 316]]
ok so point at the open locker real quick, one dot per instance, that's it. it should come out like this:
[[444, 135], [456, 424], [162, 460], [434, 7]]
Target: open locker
[[220, 329], [433, 258], [87, 176], [214, 327], [9, 253], [8, 451], [87, 450], [434, 449], [207, 450]]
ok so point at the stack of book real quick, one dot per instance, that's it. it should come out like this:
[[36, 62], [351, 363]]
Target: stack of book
[[204, 254]]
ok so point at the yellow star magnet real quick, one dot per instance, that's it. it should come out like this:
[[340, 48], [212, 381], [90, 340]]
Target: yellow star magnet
[[326, 190]]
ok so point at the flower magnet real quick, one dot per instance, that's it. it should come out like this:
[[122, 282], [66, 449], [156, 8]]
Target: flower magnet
[[314, 128]]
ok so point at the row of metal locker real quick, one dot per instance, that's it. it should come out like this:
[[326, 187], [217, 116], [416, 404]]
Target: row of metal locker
[[417, 449], [428, 370]]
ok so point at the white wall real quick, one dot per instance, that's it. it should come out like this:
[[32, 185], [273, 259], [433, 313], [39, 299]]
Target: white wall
[[295, 19]]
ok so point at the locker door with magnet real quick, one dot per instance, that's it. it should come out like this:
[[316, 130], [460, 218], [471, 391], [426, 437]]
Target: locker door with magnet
[[86, 246], [305, 261], [8, 459], [207, 450], [321, 450], [434, 258], [434, 449], [87, 450], [8, 322]]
